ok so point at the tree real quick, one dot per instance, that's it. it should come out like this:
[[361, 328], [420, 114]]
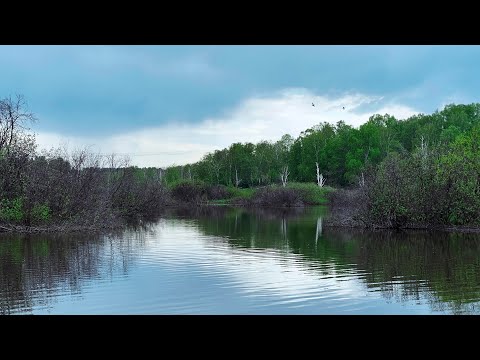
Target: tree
[[17, 146], [14, 119], [282, 149]]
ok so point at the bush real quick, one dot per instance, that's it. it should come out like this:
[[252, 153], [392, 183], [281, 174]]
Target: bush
[[41, 213], [241, 193], [12, 210], [218, 192], [278, 197], [311, 193], [188, 192]]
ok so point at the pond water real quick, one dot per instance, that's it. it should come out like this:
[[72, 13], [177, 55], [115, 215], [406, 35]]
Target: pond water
[[221, 260]]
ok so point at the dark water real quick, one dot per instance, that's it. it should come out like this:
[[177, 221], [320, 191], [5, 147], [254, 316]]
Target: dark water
[[219, 260]]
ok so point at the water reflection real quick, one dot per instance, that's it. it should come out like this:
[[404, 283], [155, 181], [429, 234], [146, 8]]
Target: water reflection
[[226, 260], [401, 266], [34, 268]]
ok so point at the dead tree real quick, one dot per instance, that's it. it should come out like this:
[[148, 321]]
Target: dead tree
[[237, 180], [361, 181], [284, 175], [320, 179], [13, 120]]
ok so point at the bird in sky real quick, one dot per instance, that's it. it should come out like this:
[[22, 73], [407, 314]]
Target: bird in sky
[[313, 104], [344, 108]]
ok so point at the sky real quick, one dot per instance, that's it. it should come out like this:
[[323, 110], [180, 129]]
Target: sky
[[163, 105]]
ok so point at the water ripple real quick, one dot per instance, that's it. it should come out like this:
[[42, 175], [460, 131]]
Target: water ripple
[[208, 266]]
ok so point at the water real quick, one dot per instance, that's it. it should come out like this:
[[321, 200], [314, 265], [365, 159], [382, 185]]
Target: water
[[220, 260]]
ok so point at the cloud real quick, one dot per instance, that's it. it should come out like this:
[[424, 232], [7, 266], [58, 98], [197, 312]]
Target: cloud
[[263, 117], [146, 59]]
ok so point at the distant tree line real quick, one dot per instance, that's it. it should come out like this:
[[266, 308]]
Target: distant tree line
[[411, 172], [341, 152]]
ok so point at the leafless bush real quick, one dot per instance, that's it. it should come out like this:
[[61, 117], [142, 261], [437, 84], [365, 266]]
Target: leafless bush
[[217, 192], [277, 197], [189, 193]]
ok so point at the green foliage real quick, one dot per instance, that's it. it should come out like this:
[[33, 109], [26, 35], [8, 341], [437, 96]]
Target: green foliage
[[459, 173], [172, 176], [342, 152], [41, 213], [312, 193], [12, 210], [241, 193], [435, 185]]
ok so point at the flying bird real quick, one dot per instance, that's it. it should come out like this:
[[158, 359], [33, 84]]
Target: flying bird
[[313, 104], [344, 108]]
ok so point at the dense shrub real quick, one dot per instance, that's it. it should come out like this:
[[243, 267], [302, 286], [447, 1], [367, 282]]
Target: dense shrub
[[217, 192], [11, 210], [277, 197], [188, 192]]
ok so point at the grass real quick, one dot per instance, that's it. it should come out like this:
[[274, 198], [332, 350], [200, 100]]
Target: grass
[[313, 194], [242, 193]]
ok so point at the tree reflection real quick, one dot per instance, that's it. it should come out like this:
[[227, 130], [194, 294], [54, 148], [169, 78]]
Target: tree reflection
[[33, 268], [442, 267]]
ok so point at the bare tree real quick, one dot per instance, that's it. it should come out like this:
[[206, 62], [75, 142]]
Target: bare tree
[[284, 175], [13, 120], [237, 180], [361, 181], [320, 179]]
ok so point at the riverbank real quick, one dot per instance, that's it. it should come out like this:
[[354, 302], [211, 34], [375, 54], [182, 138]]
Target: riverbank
[[350, 208], [347, 208], [184, 194]]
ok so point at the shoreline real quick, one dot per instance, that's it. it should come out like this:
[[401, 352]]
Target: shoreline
[[341, 220]]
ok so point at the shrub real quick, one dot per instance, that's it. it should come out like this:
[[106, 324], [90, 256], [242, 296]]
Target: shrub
[[311, 193], [188, 192], [41, 213], [12, 210], [218, 192], [278, 197], [241, 193]]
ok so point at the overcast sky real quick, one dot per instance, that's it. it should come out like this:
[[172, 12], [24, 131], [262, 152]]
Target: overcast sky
[[172, 104]]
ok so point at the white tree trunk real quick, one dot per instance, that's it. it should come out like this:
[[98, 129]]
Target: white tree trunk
[[237, 180], [361, 182], [284, 175], [320, 179]]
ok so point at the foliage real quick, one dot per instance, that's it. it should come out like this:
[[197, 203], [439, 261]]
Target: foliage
[[11, 210], [311, 193], [41, 213]]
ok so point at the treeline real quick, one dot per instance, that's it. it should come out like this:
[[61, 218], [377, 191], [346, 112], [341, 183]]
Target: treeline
[[341, 151]]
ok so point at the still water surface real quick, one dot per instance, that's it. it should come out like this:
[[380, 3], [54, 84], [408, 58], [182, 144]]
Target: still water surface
[[220, 260]]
